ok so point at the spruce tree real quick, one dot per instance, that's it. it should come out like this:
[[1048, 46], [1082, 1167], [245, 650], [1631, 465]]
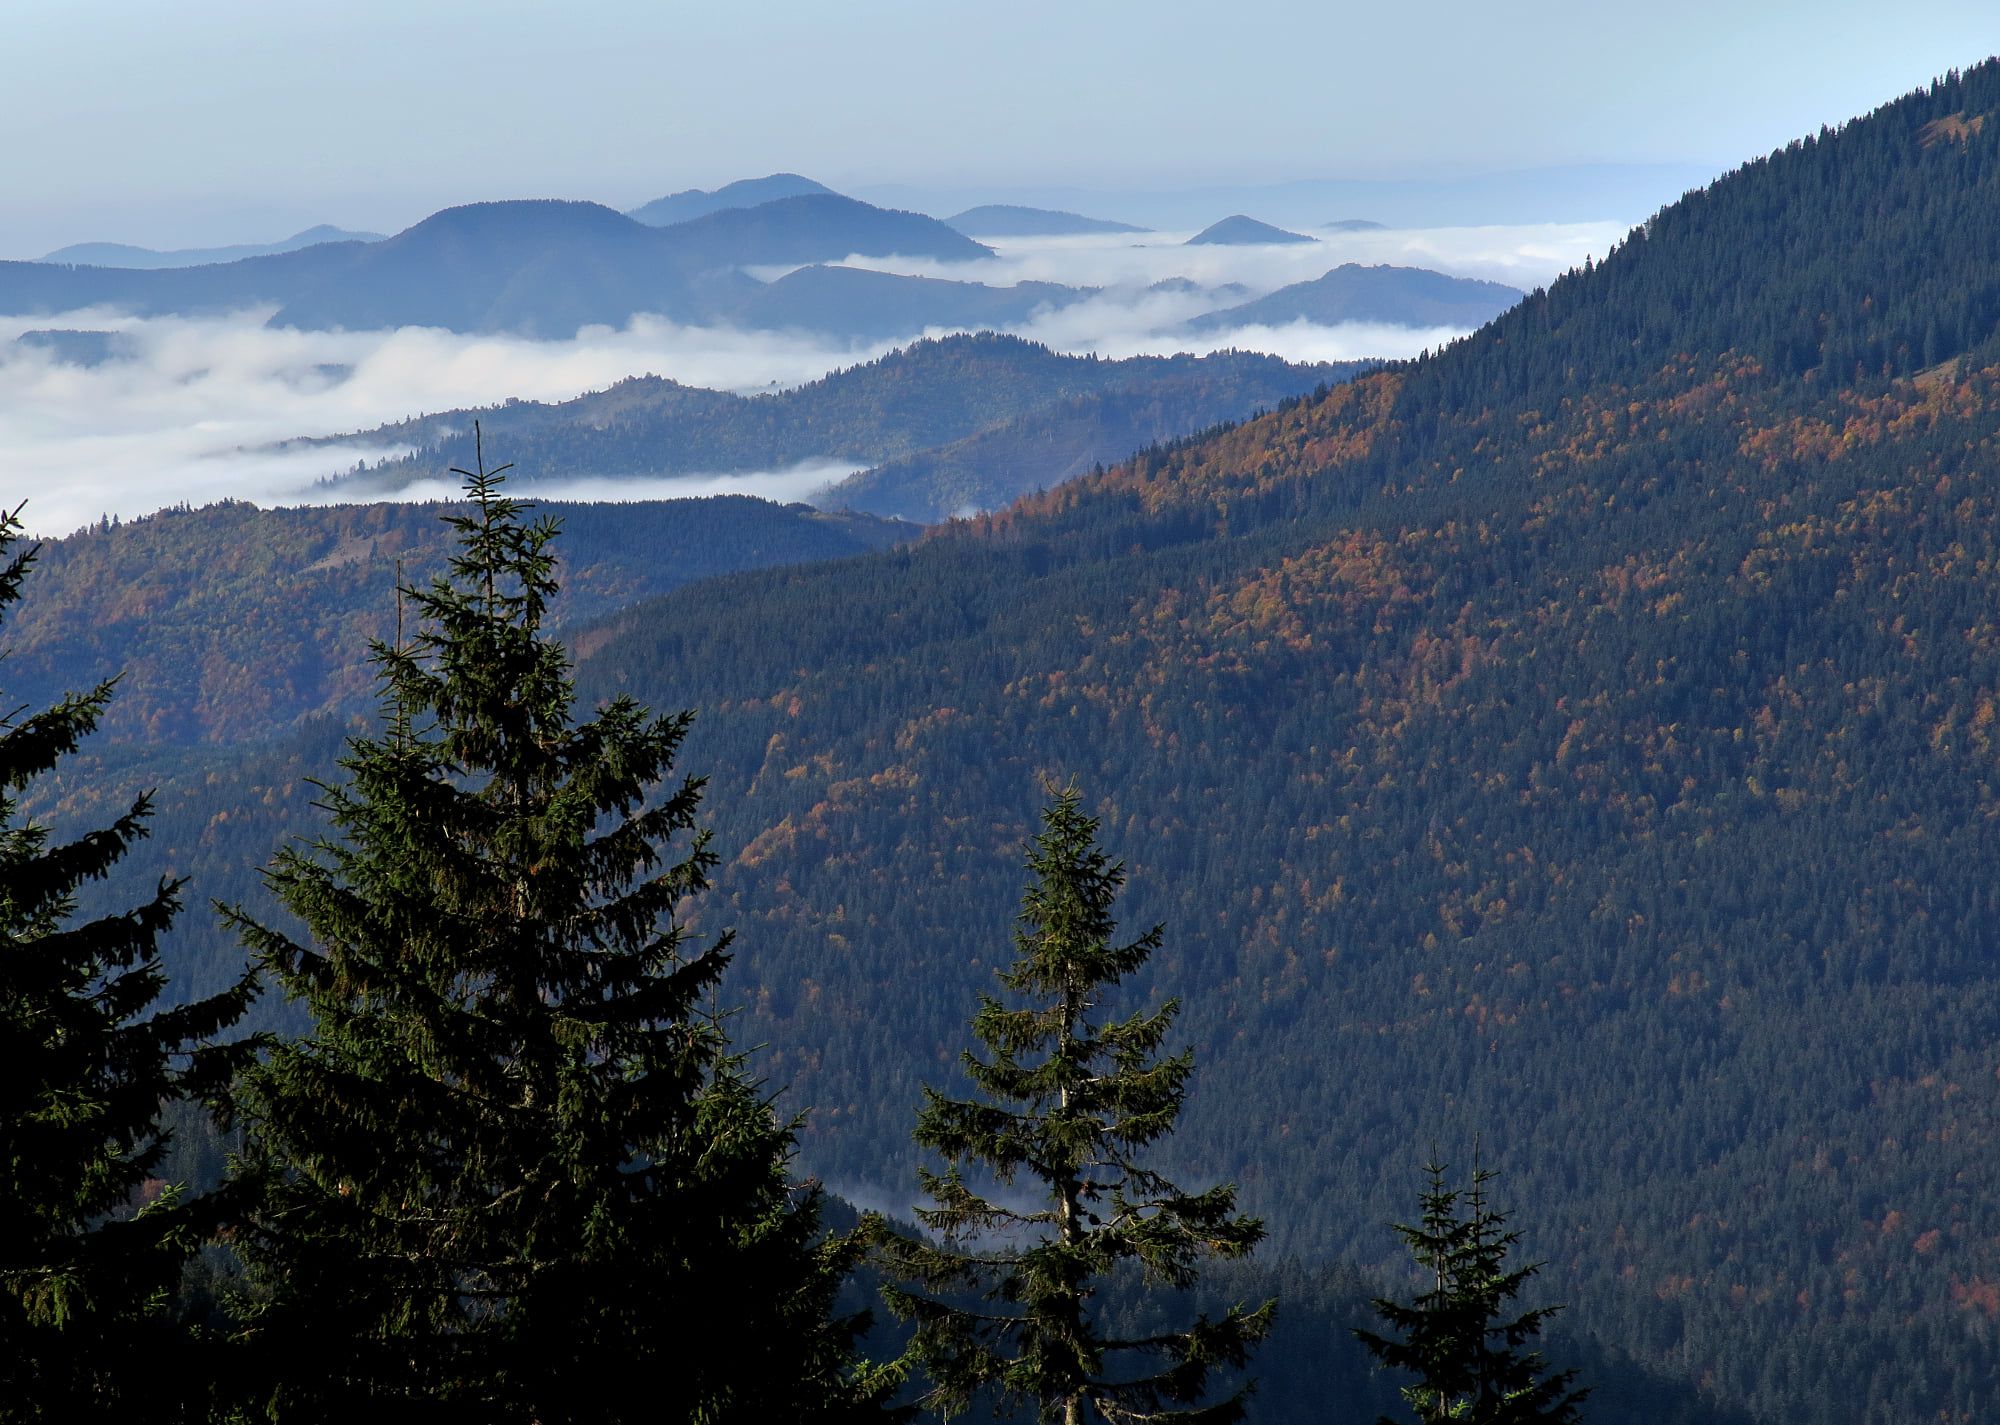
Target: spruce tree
[[92, 1244], [1472, 1361], [1071, 1097], [515, 1171]]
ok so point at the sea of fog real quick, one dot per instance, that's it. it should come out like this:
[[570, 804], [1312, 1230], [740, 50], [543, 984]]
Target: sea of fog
[[192, 410]]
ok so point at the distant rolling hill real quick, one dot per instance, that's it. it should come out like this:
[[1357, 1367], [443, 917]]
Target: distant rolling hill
[[744, 193], [858, 304], [1395, 296], [541, 268], [1011, 220], [73, 348], [921, 401], [1239, 231], [537, 268], [233, 622], [118, 254], [37, 288], [815, 227]]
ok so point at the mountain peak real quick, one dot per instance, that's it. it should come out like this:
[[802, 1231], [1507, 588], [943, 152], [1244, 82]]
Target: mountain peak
[[1239, 230], [691, 203], [1013, 220]]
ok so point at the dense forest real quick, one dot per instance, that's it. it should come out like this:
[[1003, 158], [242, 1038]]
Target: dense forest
[[231, 622], [1581, 739]]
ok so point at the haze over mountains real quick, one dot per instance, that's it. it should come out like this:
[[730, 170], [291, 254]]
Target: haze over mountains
[[1241, 231], [548, 299], [1012, 220], [546, 269], [744, 193], [1353, 293], [118, 254]]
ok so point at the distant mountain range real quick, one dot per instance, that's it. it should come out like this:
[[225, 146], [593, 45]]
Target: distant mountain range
[[1012, 220], [547, 268], [859, 304], [1353, 225], [946, 425], [693, 203], [1395, 296], [1241, 231], [817, 227], [118, 254], [540, 268]]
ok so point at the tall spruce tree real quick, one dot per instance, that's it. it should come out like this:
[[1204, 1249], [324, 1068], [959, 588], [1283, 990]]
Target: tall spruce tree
[[515, 1172], [1070, 1096], [1472, 1361], [92, 1244]]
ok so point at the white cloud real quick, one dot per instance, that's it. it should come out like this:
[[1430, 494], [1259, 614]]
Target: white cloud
[[1522, 256], [193, 409], [794, 483]]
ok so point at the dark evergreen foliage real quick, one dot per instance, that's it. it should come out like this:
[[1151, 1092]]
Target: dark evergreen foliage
[[515, 1171], [1070, 1097], [235, 623], [1473, 1362], [92, 1241]]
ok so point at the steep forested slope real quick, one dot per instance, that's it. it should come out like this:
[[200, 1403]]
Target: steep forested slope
[[1584, 738], [1055, 443]]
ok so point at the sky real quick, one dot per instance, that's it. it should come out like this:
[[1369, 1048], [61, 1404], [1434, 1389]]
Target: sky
[[211, 121]]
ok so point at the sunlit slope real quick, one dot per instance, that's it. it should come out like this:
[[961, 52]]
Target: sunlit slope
[[231, 623], [1584, 739]]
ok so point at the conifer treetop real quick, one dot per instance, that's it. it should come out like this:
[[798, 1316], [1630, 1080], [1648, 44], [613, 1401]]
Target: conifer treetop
[[1069, 1095]]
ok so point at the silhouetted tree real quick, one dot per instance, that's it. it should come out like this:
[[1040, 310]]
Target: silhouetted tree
[[515, 1172], [1069, 1096], [1472, 1361], [92, 1244]]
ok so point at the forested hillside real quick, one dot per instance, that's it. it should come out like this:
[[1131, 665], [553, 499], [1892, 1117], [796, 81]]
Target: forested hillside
[[232, 623], [908, 411], [1058, 442], [1582, 740]]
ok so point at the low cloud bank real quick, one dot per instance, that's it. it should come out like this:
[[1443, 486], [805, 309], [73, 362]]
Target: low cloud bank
[[795, 483], [1524, 256], [193, 409]]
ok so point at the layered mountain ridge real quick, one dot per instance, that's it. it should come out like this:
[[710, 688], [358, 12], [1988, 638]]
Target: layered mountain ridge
[[946, 425]]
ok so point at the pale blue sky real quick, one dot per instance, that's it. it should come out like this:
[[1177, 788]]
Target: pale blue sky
[[207, 121]]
